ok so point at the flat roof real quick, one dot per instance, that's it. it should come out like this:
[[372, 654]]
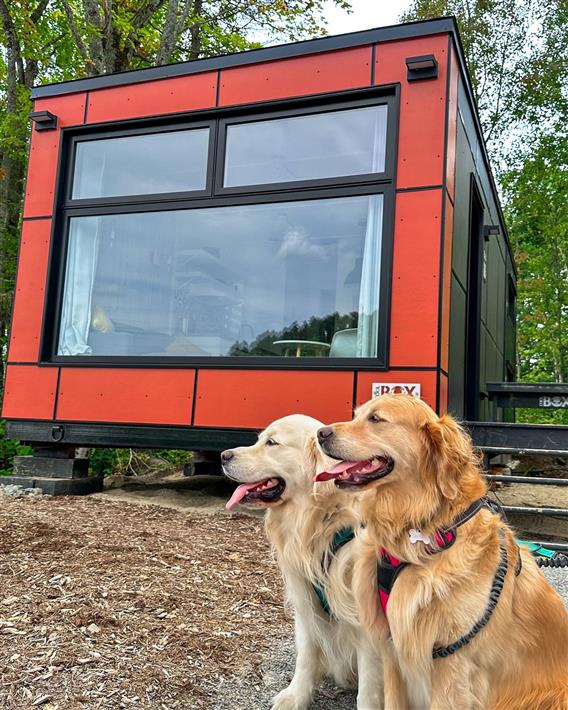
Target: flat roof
[[251, 56]]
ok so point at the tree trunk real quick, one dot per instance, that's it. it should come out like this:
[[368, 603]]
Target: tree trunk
[[195, 46]]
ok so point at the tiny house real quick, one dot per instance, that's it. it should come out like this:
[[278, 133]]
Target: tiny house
[[210, 245]]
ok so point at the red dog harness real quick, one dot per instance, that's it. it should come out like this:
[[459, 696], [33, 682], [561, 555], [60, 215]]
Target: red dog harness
[[389, 567]]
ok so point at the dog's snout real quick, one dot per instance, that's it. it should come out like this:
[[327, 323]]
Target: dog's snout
[[227, 455], [325, 433]]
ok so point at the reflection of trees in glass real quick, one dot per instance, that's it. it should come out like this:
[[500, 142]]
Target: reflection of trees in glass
[[315, 329]]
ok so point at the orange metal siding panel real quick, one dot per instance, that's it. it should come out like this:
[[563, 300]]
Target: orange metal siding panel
[[44, 151], [252, 399], [422, 108], [426, 378], [443, 384], [446, 286], [300, 76], [30, 290], [126, 395], [153, 98], [452, 126], [416, 266], [29, 392]]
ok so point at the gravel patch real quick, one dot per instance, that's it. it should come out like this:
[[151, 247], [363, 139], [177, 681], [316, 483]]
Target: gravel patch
[[559, 580], [255, 687], [14, 491]]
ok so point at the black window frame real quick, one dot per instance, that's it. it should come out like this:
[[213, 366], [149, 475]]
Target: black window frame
[[362, 178], [135, 198], [218, 196]]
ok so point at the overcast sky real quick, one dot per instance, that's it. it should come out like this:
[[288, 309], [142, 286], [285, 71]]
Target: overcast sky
[[366, 14]]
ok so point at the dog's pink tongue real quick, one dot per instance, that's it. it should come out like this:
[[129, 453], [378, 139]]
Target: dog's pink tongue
[[335, 471], [239, 494]]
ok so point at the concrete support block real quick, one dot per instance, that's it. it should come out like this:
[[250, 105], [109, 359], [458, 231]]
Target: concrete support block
[[50, 467], [56, 471]]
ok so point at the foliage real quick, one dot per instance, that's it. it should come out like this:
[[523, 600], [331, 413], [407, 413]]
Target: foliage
[[536, 207], [9, 449], [517, 53], [315, 329], [131, 462]]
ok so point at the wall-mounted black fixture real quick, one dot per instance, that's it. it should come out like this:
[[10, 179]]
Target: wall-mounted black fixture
[[425, 67], [491, 230], [44, 120]]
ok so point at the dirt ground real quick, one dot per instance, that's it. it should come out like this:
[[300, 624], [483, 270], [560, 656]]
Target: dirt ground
[[110, 605], [113, 602]]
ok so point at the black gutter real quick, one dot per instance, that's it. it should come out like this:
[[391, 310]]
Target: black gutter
[[250, 56]]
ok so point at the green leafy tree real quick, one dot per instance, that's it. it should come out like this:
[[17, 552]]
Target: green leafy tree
[[517, 55]]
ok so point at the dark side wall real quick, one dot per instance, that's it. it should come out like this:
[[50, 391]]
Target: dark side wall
[[496, 333]]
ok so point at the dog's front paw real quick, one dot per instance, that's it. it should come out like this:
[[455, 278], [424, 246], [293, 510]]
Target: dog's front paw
[[288, 699]]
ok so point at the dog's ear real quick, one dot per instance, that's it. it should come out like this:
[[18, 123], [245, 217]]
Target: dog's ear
[[312, 455], [449, 453]]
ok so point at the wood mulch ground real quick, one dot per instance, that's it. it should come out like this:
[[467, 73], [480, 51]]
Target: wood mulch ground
[[109, 605]]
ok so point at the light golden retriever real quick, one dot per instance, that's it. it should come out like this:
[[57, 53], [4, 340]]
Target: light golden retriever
[[301, 522], [417, 474]]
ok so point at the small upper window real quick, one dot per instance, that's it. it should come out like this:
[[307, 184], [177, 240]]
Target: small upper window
[[323, 145], [145, 164]]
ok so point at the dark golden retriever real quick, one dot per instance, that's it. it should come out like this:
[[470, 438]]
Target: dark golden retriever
[[471, 621]]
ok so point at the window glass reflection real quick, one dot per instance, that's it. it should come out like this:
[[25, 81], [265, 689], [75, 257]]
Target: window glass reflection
[[291, 279], [323, 145], [147, 164]]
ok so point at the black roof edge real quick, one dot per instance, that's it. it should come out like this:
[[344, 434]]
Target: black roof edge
[[249, 56], [405, 30]]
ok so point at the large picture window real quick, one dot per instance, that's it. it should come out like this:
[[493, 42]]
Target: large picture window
[[275, 279], [280, 273]]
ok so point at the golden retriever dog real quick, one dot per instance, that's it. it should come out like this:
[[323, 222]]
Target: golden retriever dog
[[309, 528], [472, 622]]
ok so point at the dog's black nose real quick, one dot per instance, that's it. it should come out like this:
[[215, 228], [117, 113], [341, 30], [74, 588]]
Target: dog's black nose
[[227, 455], [324, 433]]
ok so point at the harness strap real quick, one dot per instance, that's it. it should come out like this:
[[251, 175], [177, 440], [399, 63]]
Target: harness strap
[[494, 594], [389, 567], [341, 538]]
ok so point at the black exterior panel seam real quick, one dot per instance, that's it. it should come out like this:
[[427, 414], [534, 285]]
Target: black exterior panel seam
[[421, 188]]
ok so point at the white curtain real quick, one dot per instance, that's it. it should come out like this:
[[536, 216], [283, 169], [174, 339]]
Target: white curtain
[[79, 280], [368, 323]]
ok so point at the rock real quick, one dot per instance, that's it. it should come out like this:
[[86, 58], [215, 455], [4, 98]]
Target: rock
[[15, 491]]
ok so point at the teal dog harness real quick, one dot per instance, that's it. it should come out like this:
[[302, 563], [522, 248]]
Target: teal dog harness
[[341, 538]]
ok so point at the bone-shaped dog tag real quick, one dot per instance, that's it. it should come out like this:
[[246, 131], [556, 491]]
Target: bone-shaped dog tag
[[417, 536]]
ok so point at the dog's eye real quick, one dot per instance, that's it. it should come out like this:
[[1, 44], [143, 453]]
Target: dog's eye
[[271, 442], [375, 418]]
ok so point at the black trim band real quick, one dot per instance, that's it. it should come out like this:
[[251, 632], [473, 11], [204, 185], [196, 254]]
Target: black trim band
[[141, 436]]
